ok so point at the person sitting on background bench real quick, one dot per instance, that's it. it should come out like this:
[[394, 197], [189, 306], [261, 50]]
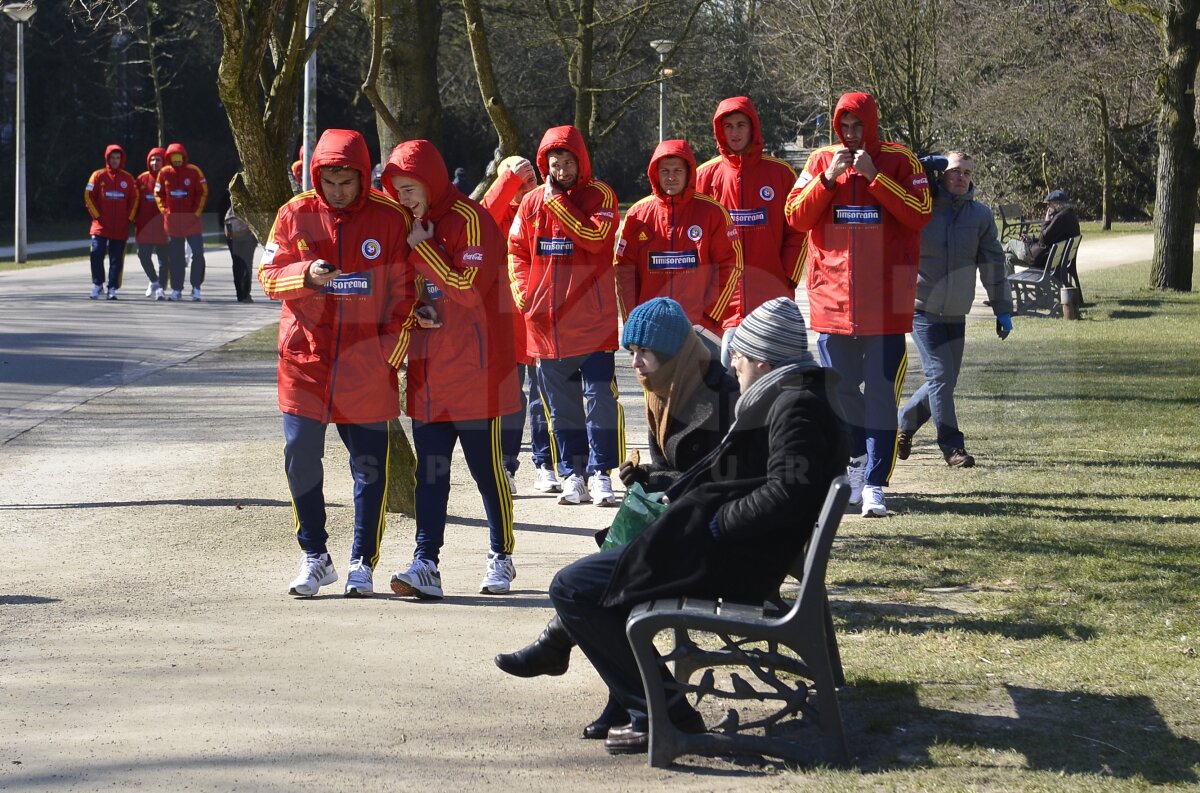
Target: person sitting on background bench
[[737, 519], [690, 400], [1059, 224]]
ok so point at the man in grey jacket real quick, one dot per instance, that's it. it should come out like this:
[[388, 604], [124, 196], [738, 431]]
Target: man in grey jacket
[[959, 242]]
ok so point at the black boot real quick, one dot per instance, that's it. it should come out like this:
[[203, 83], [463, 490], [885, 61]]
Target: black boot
[[613, 715], [549, 655]]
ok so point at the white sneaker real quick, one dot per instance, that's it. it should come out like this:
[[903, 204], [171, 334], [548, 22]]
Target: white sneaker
[[316, 571], [151, 288], [602, 492], [500, 573], [159, 294], [512, 481], [421, 580], [358, 580], [872, 502], [196, 294], [175, 296], [97, 289], [112, 294], [546, 481], [575, 491], [856, 472]]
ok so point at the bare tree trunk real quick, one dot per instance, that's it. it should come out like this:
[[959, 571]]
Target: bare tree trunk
[[581, 67], [155, 78], [1106, 162], [404, 89], [481, 54], [1175, 202]]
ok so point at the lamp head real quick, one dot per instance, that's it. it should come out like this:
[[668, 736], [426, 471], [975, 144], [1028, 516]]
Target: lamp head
[[663, 46], [20, 12]]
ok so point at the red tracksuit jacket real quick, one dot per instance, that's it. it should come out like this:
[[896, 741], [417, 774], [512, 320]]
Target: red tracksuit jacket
[[753, 187], [560, 259], [684, 247], [466, 369], [111, 198], [340, 346], [149, 223], [864, 237], [181, 193]]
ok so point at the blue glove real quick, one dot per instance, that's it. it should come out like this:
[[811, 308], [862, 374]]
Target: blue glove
[[1003, 325]]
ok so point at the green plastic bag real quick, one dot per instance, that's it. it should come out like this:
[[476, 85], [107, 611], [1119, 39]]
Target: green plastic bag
[[638, 510]]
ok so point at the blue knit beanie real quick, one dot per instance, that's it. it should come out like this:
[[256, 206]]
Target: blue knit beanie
[[659, 324]]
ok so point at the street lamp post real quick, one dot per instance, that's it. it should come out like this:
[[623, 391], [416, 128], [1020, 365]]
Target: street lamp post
[[310, 100], [663, 47], [20, 13]]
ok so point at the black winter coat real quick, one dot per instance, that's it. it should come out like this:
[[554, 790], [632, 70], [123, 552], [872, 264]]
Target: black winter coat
[[693, 434], [767, 481]]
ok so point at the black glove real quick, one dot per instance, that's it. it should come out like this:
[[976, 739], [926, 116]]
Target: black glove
[[630, 473]]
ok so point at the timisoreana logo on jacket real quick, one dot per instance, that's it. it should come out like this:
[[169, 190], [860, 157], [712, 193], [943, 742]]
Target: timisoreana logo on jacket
[[749, 217], [555, 246], [859, 215], [350, 284], [674, 260], [371, 249]]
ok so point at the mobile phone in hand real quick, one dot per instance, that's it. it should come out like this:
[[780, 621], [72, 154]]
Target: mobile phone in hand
[[324, 266]]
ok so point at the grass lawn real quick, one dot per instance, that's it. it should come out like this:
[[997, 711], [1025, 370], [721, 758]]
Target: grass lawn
[[1033, 623]]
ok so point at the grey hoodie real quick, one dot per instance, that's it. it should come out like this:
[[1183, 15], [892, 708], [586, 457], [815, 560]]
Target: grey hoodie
[[960, 240]]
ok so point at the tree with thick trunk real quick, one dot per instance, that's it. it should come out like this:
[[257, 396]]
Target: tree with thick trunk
[[402, 78], [1178, 171]]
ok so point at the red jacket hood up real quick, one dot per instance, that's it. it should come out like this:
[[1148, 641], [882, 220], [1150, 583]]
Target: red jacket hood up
[[673, 148], [569, 138], [161, 152], [863, 106], [108, 153], [343, 148], [738, 104], [173, 149], [420, 160]]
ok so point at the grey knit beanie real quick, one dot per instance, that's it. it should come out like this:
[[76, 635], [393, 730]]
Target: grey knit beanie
[[773, 333]]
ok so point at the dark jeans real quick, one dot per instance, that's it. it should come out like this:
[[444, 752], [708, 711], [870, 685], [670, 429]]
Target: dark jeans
[[304, 446], [115, 251], [940, 342], [588, 441], [179, 263], [872, 370]]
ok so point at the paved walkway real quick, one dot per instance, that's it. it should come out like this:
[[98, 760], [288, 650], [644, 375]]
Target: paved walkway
[[145, 637]]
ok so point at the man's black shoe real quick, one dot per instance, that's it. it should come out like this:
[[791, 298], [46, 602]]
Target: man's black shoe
[[628, 739]]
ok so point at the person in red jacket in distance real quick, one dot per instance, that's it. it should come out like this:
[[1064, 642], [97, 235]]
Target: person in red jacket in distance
[[151, 235], [338, 260], [111, 198], [678, 243], [462, 370], [753, 186]]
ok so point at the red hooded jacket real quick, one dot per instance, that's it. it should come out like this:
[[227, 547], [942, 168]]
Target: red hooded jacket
[[181, 193], [560, 259], [466, 369], [111, 198], [150, 228], [684, 247], [865, 237], [339, 346], [501, 200], [753, 187]]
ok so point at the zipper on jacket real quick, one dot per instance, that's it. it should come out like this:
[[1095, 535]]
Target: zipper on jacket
[[671, 241], [337, 338], [852, 262], [553, 282]]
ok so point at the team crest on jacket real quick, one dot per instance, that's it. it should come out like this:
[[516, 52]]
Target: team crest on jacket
[[187, 182], [766, 192], [124, 184], [371, 249], [695, 233]]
